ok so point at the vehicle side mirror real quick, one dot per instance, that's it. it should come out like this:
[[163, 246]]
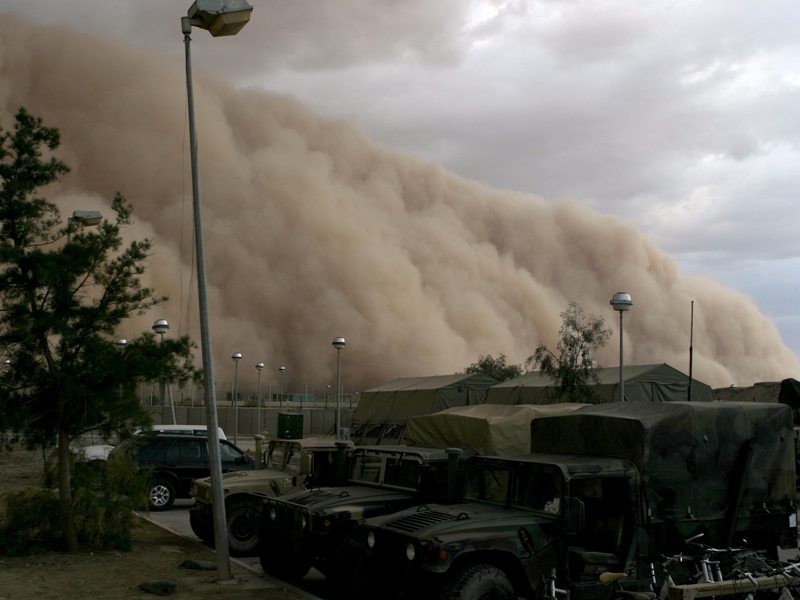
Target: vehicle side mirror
[[575, 513]]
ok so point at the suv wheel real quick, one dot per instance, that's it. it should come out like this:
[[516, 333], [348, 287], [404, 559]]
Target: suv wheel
[[243, 517], [479, 582], [162, 494]]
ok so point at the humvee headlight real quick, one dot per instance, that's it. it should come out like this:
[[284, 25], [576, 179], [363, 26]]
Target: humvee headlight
[[273, 514], [411, 552], [371, 540]]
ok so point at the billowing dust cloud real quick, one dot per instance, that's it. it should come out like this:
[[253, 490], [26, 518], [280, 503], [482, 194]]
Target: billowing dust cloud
[[312, 231]]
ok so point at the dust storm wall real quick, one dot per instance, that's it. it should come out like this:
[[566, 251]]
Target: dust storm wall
[[313, 231]]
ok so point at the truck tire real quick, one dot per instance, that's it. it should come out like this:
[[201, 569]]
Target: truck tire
[[243, 516], [277, 561], [162, 494], [478, 582], [202, 528]]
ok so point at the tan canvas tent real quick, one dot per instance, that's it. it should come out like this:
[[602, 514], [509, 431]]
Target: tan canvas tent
[[643, 383], [496, 429], [383, 411]]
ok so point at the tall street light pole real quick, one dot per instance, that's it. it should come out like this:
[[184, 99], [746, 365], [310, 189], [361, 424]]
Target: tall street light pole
[[259, 368], [161, 326], [219, 18], [621, 302], [236, 356], [280, 387], [338, 343]]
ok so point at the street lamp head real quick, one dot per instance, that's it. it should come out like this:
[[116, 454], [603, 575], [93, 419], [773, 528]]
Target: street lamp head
[[121, 342], [220, 17], [260, 366], [621, 301], [338, 343], [236, 356], [161, 326], [281, 369]]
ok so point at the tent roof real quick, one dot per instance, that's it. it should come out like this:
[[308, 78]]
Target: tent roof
[[433, 382], [605, 376]]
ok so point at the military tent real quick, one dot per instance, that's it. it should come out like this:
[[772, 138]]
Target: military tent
[[643, 383], [497, 429], [382, 411]]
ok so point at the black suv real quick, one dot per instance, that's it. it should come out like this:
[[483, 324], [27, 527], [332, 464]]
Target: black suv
[[176, 461]]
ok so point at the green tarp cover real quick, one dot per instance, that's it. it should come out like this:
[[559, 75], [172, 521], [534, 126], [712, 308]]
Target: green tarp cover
[[655, 383], [497, 429], [690, 455]]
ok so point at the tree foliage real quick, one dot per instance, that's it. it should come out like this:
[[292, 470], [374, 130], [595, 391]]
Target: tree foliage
[[573, 367], [496, 368], [64, 289]]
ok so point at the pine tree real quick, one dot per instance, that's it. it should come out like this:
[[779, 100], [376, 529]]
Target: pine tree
[[63, 292]]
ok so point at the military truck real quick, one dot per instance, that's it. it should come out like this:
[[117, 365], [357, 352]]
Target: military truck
[[607, 489], [288, 465], [310, 528]]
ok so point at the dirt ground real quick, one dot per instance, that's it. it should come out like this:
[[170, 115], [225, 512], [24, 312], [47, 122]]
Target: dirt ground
[[156, 555]]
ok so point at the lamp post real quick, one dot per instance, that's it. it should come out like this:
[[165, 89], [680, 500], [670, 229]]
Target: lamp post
[[86, 218], [219, 18], [259, 368], [236, 356], [338, 343], [280, 388], [621, 302], [161, 326]]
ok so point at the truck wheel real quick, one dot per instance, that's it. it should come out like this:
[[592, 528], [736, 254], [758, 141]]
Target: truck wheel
[[202, 529], [279, 562], [243, 516], [479, 582], [162, 494]]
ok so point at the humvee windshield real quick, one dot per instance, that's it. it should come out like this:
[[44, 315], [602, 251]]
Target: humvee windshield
[[284, 457], [399, 470], [528, 486]]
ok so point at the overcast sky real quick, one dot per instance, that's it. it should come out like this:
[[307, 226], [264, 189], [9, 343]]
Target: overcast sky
[[679, 116]]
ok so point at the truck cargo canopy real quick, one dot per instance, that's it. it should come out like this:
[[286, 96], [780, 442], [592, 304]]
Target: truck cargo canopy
[[691, 455]]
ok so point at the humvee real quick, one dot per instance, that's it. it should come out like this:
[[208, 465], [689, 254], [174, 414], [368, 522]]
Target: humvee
[[288, 465], [310, 528]]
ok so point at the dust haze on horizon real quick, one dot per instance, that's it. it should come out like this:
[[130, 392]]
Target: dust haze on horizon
[[313, 231]]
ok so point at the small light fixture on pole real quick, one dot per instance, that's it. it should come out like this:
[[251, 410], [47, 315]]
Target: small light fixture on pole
[[621, 302], [338, 343], [219, 17], [236, 356], [85, 218], [259, 368], [161, 326], [281, 370]]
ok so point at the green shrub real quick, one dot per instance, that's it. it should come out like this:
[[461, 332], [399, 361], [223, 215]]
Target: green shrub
[[104, 496], [31, 523]]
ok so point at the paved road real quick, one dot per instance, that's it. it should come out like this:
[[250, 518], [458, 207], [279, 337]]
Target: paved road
[[176, 519]]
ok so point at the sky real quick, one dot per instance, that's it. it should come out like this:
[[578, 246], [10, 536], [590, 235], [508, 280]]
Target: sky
[[677, 117]]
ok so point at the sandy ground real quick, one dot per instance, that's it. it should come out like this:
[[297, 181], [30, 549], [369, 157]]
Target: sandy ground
[[156, 555]]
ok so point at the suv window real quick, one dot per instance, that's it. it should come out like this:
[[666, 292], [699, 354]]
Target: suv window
[[228, 453]]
